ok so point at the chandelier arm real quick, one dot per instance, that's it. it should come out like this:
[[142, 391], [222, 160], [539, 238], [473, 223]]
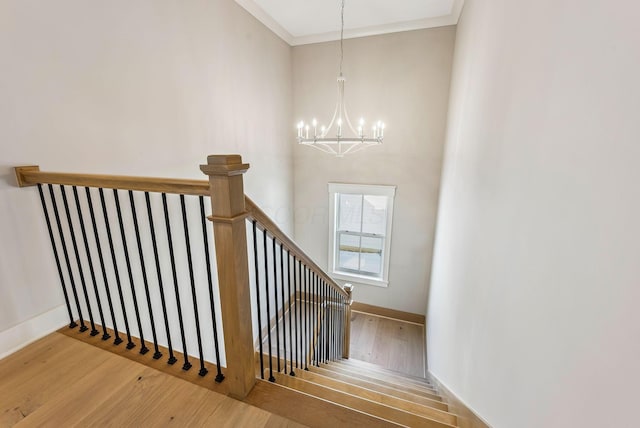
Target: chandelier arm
[[324, 148], [354, 148], [335, 112], [346, 116]]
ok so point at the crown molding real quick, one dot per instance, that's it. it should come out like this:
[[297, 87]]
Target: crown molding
[[262, 16], [395, 27]]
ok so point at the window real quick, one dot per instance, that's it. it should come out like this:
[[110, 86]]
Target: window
[[360, 232]]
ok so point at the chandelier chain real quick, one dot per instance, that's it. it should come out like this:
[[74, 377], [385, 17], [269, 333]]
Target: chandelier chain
[[341, 36]]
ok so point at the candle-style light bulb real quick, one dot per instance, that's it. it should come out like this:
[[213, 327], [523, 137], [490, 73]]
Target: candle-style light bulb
[[300, 126], [361, 127], [340, 127], [323, 129], [374, 129], [381, 129], [306, 129], [314, 122]]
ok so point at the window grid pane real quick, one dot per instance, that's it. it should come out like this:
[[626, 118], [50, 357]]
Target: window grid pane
[[359, 254], [374, 214], [350, 212]]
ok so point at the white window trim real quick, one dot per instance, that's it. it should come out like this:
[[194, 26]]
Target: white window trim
[[359, 189]]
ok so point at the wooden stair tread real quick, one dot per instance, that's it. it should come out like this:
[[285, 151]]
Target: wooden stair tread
[[436, 402], [379, 397], [385, 412], [387, 375], [430, 399], [364, 364], [425, 392], [308, 410]]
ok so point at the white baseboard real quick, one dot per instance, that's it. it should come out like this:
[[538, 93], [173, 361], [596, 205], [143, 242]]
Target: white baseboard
[[19, 336], [467, 416]]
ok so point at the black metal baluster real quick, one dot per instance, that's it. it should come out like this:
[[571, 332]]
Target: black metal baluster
[[320, 320], [90, 260], [291, 337], [284, 318], [309, 315], [203, 371], [339, 326], [327, 324], [323, 308], [117, 341], [275, 296], [157, 354], [303, 327], [72, 323], [313, 318], [333, 325], [296, 317], [143, 346], [257, 272], [316, 319], [185, 353], [306, 318], [329, 330], [327, 302], [303, 303], [219, 376], [172, 358], [105, 335], [83, 327], [300, 314], [266, 294]]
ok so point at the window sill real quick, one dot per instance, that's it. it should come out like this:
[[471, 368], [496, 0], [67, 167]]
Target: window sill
[[360, 279]]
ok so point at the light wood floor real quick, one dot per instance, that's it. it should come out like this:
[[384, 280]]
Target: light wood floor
[[60, 381], [392, 344]]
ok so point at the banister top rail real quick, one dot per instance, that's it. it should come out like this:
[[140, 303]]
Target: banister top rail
[[31, 175], [263, 219]]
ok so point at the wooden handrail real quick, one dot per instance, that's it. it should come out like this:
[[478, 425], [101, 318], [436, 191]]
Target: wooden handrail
[[266, 223], [31, 175]]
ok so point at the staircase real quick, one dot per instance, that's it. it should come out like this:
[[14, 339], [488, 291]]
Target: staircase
[[355, 393], [303, 316]]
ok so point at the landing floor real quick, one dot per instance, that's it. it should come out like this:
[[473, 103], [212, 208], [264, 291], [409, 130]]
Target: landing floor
[[60, 381], [390, 343]]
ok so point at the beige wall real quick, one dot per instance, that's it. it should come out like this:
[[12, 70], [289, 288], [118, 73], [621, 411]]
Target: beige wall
[[533, 315], [140, 88], [402, 78]]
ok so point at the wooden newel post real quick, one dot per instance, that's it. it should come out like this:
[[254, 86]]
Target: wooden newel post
[[347, 322], [229, 231]]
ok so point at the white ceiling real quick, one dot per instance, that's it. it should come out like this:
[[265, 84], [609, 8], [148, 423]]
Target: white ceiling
[[300, 22]]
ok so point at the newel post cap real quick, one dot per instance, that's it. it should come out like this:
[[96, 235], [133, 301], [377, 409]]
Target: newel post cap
[[348, 288], [227, 165]]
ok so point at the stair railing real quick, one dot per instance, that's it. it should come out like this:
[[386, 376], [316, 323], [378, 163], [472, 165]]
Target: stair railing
[[109, 230], [302, 315], [302, 311]]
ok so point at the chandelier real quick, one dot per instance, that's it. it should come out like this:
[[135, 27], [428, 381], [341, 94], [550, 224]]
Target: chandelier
[[340, 137]]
